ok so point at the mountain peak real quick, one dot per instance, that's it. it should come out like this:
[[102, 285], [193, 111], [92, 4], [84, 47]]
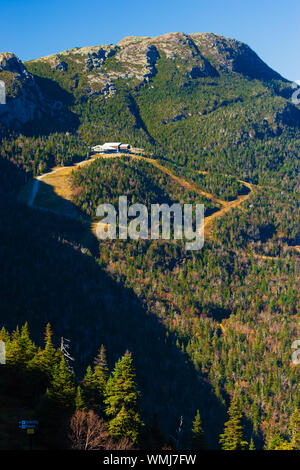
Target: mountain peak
[[214, 52], [225, 54], [9, 62], [132, 39], [232, 55], [97, 70]]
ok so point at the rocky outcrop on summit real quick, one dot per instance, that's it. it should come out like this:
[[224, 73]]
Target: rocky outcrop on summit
[[24, 100], [139, 60], [11, 63], [97, 70], [205, 53], [175, 45], [98, 54], [233, 56], [181, 46], [135, 58], [136, 61], [145, 51], [97, 57], [132, 39]]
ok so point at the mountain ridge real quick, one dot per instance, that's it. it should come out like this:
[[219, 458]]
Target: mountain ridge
[[44, 92], [209, 43]]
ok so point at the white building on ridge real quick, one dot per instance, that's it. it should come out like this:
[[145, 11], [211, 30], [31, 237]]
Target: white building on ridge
[[111, 147]]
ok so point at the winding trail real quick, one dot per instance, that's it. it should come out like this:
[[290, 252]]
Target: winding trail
[[225, 205], [58, 182], [183, 182]]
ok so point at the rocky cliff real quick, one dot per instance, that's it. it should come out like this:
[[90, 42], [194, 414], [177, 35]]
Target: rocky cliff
[[24, 99]]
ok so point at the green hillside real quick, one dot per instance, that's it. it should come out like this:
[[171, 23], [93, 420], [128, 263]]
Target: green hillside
[[219, 118], [209, 330]]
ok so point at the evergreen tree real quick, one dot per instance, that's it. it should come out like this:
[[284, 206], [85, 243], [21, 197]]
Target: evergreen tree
[[49, 357], [233, 436], [79, 401], [20, 350], [121, 400], [101, 370], [4, 335], [285, 445], [251, 446], [294, 429], [277, 442], [274, 441], [62, 387], [198, 439], [27, 345], [90, 390], [14, 352]]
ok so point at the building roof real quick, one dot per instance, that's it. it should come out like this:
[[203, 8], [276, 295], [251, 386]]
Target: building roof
[[111, 144]]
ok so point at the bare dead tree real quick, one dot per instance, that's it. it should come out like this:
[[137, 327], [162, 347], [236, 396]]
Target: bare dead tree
[[123, 444], [178, 434], [87, 431], [65, 349]]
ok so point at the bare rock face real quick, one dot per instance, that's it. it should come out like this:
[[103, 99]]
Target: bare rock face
[[97, 57], [91, 56], [175, 45], [182, 47], [138, 60], [24, 100], [144, 52], [11, 63], [90, 60], [232, 56]]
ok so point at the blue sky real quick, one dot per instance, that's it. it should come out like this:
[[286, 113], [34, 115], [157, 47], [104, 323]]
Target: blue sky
[[33, 28]]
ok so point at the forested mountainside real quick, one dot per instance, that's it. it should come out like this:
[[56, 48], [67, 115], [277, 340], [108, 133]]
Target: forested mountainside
[[208, 330]]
